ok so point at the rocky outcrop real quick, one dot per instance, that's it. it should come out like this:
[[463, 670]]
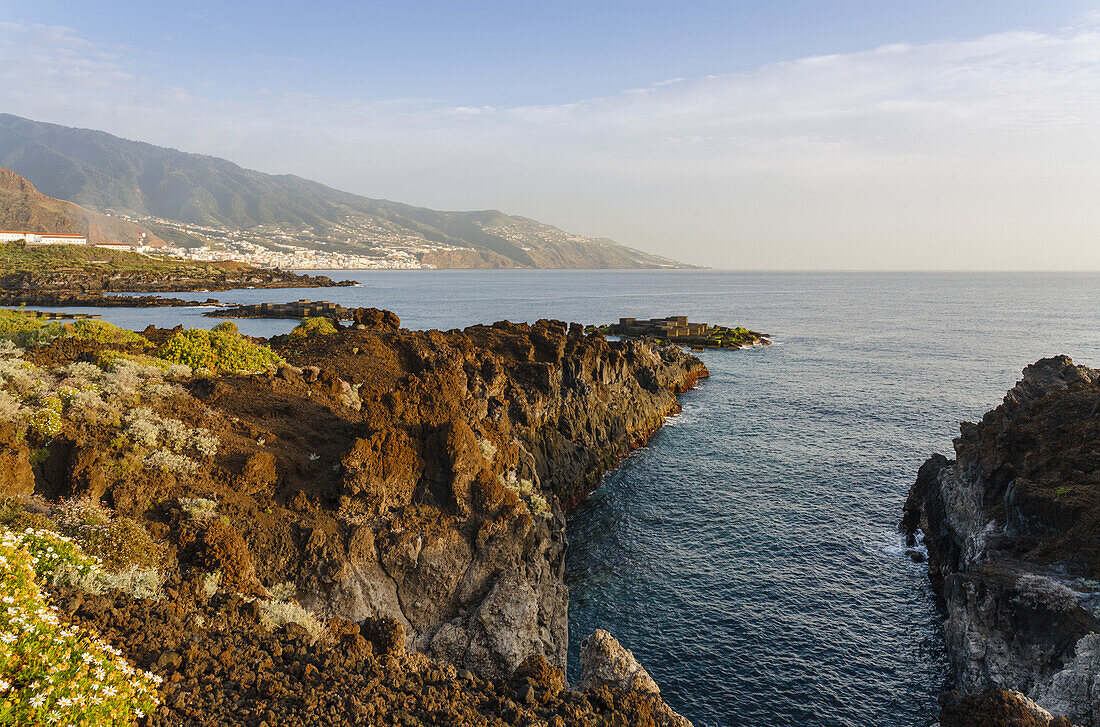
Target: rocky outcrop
[[421, 476], [450, 488], [1011, 530], [221, 662], [16, 473], [606, 664], [995, 708]]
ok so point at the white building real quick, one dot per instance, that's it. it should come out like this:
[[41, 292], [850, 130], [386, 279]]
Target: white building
[[34, 238], [115, 245]]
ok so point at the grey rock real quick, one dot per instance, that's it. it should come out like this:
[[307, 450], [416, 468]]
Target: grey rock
[[606, 663]]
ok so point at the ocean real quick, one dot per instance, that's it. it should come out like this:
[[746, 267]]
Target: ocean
[[748, 555]]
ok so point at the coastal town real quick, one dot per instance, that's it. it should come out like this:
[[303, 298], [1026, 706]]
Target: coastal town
[[356, 243]]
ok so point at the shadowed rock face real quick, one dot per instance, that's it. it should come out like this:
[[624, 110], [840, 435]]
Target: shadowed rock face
[[1011, 526]]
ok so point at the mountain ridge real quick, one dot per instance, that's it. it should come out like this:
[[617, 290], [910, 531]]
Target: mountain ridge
[[180, 193]]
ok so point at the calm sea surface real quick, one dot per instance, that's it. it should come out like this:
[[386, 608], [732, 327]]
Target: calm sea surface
[[748, 555]]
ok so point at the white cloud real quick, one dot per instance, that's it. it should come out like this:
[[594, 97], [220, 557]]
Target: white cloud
[[977, 153]]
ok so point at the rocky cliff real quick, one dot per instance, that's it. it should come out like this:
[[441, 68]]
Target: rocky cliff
[[383, 473], [1012, 528]]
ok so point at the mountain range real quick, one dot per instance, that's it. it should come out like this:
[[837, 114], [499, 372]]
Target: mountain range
[[192, 199]]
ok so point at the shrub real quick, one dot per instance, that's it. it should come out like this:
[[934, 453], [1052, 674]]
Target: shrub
[[311, 327], [118, 542], [54, 674], [13, 516], [199, 508], [274, 614], [283, 591], [227, 327], [15, 321], [488, 449], [220, 351], [137, 581], [210, 583], [41, 332], [145, 429], [527, 492], [51, 551], [148, 366], [167, 461]]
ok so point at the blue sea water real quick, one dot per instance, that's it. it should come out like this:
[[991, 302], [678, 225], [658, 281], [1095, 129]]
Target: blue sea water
[[748, 555]]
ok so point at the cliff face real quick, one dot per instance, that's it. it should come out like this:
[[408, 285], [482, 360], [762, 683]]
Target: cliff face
[[440, 504], [1012, 528]]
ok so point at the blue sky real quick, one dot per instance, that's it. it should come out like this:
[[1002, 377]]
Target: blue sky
[[739, 134], [509, 53]]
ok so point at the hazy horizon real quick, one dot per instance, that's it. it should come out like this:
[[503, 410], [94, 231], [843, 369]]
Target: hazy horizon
[[838, 136]]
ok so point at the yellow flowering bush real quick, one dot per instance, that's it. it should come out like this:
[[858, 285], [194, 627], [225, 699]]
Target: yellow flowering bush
[[52, 673], [310, 327], [14, 321], [223, 350], [51, 552]]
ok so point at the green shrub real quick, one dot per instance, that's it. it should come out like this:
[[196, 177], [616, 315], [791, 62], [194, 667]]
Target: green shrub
[[113, 359], [14, 516], [41, 332], [227, 327], [14, 321], [311, 327], [221, 351], [54, 674]]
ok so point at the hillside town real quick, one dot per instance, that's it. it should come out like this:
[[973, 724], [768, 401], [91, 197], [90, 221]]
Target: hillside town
[[357, 243]]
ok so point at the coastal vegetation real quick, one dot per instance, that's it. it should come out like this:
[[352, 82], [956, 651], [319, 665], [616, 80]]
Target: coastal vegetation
[[52, 673], [18, 258], [310, 327], [223, 349]]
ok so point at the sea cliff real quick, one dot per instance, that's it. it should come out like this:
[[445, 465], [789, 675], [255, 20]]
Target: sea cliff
[[405, 487], [1012, 529]]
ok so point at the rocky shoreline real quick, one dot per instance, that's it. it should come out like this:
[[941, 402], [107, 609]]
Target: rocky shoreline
[[63, 299], [94, 288], [90, 280], [1012, 529], [407, 488]]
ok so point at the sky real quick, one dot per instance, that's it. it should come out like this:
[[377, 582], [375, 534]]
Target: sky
[[743, 135]]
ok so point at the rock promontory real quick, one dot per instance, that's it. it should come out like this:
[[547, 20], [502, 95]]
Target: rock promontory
[[1012, 528], [406, 488]]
